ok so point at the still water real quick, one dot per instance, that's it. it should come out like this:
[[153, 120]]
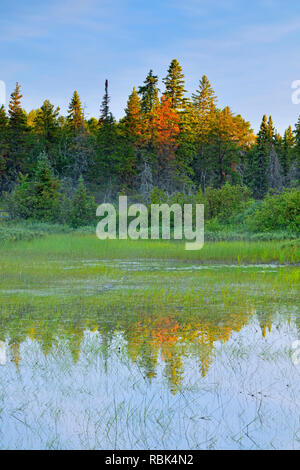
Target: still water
[[151, 355]]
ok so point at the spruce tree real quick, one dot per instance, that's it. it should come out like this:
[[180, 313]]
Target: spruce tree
[[17, 117], [286, 150], [149, 93], [296, 152], [45, 202], [297, 137], [46, 124], [105, 114], [75, 118], [83, 210], [18, 129], [260, 160], [174, 83], [4, 121], [133, 117], [270, 130], [204, 99], [38, 197]]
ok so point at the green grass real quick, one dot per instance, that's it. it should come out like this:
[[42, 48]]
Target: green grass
[[78, 246]]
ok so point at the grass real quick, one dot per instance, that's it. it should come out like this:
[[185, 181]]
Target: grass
[[79, 246]]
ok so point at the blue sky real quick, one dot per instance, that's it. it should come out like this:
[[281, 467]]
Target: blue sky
[[248, 49]]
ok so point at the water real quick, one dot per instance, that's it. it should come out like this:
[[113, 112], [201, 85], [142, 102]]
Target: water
[[151, 355]]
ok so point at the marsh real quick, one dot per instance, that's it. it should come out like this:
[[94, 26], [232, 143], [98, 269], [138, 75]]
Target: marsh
[[107, 348]]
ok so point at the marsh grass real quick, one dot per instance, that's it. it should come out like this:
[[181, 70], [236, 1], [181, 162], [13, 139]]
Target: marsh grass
[[78, 246], [143, 345]]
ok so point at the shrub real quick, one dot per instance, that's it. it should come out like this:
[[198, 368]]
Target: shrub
[[226, 201], [83, 210], [158, 196], [277, 212]]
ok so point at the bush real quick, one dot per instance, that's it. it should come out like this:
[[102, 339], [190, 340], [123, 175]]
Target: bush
[[158, 196], [277, 212], [226, 201], [83, 209]]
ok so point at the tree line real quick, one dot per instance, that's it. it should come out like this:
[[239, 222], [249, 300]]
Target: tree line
[[165, 140]]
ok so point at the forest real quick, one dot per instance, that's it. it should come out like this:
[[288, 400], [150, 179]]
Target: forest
[[168, 147]]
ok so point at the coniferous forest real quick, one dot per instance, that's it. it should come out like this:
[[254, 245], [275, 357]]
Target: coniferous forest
[[171, 144]]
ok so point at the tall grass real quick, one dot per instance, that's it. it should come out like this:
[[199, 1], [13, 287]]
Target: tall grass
[[78, 246]]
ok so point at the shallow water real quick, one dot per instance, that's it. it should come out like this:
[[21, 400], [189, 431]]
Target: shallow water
[[151, 355]]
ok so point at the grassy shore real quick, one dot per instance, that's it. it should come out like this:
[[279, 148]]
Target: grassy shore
[[87, 246]]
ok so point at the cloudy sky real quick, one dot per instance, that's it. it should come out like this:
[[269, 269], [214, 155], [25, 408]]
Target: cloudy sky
[[248, 49]]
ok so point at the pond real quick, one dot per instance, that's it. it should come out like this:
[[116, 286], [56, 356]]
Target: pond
[[148, 354]]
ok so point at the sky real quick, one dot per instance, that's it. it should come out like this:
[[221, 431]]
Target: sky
[[249, 51]]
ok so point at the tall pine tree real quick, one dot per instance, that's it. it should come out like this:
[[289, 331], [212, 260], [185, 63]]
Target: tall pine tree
[[204, 99], [149, 93], [75, 118], [174, 83]]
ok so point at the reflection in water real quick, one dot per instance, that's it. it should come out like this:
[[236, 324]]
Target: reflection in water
[[204, 362], [149, 340], [2, 353]]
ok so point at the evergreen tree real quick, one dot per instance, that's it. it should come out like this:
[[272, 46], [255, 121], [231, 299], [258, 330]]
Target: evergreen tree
[[75, 118], [133, 117], [37, 198], [105, 114], [174, 82], [296, 154], [297, 137], [260, 160], [17, 117], [83, 210], [45, 203], [46, 124], [270, 130], [204, 99], [285, 151], [108, 152], [149, 93], [4, 146], [18, 153]]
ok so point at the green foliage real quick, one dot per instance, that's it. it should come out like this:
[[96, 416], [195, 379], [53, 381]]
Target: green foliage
[[277, 212], [158, 196], [36, 198], [149, 93], [75, 113], [174, 82], [83, 209], [226, 201]]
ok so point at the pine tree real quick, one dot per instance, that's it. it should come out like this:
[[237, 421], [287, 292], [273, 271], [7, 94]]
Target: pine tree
[[4, 146], [133, 117], [18, 129], [37, 198], [286, 150], [45, 202], [105, 114], [46, 124], [75, 118], [174, 82], [297, 137], [270, 130], [83, 209], [260, 160], [149, 93], [204, 99], [17, 117], [296, 152]]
